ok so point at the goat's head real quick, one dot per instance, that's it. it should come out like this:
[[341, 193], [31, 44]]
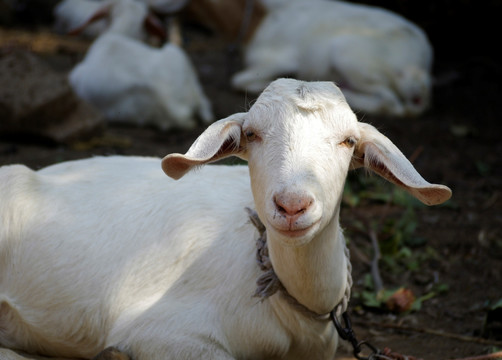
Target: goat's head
[[413, 85], [300, 139]]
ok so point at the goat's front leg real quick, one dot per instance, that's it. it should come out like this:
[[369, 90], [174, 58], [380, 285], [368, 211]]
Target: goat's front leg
[[111, 353]]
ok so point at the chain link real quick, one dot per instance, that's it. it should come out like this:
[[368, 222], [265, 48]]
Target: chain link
[[347, 333]]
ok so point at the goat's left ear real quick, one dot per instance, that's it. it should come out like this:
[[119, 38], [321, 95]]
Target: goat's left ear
[[220, 140], [377, 153]]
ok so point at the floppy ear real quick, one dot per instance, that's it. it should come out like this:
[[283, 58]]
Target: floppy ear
[[377, 153], [220, 140]]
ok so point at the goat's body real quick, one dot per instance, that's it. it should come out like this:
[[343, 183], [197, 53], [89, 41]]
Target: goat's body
[[109, 252], [151, 274], [133, 82], [379, 59]]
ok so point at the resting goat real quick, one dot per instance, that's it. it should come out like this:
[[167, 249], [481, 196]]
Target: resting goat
[[381, 61], [110, 252], [132, 82]]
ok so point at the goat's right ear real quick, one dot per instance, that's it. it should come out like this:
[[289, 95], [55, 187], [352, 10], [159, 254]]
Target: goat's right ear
[[220, 140]]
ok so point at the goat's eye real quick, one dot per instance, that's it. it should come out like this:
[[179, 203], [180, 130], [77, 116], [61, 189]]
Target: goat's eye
[[350, 141], [250, 135]]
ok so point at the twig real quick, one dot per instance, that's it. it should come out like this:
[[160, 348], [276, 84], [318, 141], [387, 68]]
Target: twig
[[435, 332], [416, 154]]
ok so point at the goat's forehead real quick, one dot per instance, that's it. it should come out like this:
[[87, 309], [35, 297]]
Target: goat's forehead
[[304, 93], [285, 102]]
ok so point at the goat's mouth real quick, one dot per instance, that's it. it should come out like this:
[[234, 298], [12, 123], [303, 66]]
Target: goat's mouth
[[297, 231], [294, 233]]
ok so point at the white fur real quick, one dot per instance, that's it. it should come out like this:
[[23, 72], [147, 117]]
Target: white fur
[[133, 82], [108, 251], [381, 61]]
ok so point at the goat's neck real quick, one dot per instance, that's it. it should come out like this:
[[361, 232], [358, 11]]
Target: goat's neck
[[127, 27], [314, 274]]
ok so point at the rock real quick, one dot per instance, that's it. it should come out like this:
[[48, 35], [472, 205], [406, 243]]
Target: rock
[[81, 123], [36, 100]]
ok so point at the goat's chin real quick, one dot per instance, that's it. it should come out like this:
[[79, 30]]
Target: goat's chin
[[297, 237]]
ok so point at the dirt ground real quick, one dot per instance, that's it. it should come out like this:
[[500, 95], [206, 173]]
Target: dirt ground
[[451, 254]]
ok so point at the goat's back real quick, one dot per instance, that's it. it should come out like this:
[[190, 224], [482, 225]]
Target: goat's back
[[87, 243]]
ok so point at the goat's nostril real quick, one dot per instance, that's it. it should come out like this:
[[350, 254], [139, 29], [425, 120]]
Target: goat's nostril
[[291, 205], [281, 209]]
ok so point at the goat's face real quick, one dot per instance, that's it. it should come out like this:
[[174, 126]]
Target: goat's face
[[413, 87], [299, 140]]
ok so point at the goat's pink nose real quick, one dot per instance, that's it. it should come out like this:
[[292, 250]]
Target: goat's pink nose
[[291, 205]]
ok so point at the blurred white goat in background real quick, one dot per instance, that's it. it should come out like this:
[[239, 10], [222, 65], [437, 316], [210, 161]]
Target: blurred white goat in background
[[133, 82], [381, 61]]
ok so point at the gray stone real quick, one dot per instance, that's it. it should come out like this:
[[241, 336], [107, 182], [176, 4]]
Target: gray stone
[[36, 100]]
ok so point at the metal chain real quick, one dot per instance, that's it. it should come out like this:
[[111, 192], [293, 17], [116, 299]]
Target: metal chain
[[347, 333]]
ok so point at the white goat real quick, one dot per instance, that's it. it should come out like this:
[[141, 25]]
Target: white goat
[[133, 82], [381, 61], [109, 252]]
